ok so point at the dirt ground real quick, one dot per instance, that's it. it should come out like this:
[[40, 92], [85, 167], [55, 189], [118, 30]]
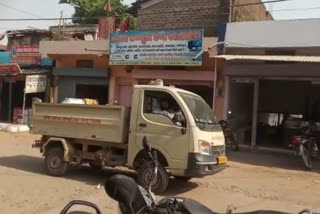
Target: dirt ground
[[252, 181]]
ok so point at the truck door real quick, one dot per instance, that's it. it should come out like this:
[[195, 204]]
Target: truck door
[[158, 121]]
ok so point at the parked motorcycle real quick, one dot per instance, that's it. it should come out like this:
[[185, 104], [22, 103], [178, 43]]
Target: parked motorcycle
[[229, 135], [134, 199], [306, 145]]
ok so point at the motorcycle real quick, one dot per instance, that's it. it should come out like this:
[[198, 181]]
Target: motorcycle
[[134, 199], [306, 146], [229, 135]]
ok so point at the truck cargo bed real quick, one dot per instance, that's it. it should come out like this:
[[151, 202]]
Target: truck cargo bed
[[91, 122]]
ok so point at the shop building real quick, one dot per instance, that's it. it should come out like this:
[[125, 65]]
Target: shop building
[[81, 69], [20, 63], [271, 79]]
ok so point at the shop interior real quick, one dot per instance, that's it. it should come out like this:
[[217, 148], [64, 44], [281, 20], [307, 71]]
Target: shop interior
[[15, 113], [283, 108]]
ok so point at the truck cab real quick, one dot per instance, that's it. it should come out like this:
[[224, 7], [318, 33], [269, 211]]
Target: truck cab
[[191, 142]]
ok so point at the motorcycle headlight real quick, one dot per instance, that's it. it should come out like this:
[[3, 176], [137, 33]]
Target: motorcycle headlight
[[205, 147]]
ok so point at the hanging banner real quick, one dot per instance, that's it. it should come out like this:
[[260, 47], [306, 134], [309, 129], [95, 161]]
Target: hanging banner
[[165, 47], [26, 55], [107, 25], [35, 83]]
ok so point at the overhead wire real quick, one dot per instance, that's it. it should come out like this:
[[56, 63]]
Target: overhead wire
[[19, 10]]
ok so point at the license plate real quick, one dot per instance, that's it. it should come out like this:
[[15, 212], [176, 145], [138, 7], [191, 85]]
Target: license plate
[[222, 159]]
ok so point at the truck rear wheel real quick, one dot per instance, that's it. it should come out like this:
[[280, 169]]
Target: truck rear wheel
[[54, 163], [159, 184], [95, 166]]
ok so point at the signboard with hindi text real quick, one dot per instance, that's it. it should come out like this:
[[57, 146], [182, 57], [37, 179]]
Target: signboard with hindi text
[[164, 47], [26, 55], [35, 83]]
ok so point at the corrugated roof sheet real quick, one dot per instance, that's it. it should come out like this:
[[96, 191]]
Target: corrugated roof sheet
[[300, 33], [313, 59]]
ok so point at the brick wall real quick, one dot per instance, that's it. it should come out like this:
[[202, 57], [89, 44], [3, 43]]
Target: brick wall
[[253, 12], [188, 14]]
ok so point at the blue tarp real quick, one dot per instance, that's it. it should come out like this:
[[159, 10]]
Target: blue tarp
[[45, 62], [5, 57]]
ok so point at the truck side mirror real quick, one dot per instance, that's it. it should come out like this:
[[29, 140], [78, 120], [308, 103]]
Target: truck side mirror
[[179, 119], [183, 131]]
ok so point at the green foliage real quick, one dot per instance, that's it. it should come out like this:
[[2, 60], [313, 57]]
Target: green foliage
[[88, 9], [133, 23], [238, 15]]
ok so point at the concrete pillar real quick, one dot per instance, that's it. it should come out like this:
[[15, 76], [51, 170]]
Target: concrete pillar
[[215, 85], [226, 97], [10, 101], [255, 113], [112, 88]]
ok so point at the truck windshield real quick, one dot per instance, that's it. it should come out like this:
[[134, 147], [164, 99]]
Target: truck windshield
[[201, 112]]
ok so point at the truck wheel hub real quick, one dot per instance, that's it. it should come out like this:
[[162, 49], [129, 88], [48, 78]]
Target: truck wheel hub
[[55, 162]]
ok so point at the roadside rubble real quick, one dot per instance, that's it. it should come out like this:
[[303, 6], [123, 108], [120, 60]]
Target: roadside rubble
[[13, 128]]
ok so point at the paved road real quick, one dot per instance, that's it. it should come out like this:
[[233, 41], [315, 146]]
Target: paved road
[[252, 181]]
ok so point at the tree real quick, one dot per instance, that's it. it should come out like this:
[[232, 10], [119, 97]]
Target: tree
[[88, 10]]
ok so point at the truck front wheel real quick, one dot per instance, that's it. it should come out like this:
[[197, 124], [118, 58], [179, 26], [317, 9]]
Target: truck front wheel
[[54, 163], [159, 184]]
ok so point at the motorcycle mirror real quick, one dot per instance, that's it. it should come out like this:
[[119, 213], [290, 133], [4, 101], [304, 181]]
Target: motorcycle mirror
[[146, 144]]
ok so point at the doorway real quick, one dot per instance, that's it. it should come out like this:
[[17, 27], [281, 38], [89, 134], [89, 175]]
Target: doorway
[[125, 95], [241, 108]]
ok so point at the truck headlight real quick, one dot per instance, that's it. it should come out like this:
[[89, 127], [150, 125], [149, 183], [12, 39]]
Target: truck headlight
[[205, 148]]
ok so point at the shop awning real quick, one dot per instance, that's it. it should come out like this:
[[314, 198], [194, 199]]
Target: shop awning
[[35, 71], [311, 59], [9, 69]]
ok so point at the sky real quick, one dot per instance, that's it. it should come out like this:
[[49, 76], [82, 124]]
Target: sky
[[51, 9]]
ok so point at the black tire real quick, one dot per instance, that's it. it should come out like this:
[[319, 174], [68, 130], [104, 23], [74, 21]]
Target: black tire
[[54, 163], [234, 146], [95, 166], [306, 157], [182, 178], [162, 181]]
